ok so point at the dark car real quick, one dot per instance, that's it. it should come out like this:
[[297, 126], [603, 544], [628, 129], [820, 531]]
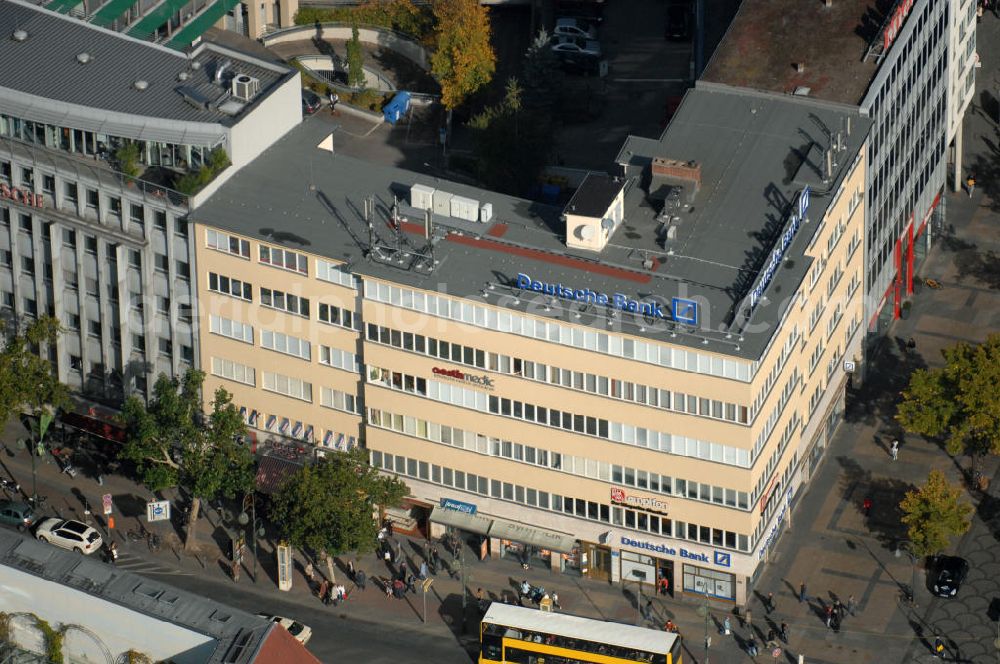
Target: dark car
[[949, 573], [19, 515], [678, 23], [310, 102]]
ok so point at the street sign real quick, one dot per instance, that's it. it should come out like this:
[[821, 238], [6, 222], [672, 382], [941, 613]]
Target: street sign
[[426, 584], [776, 653], [106, 501], [158, 510]]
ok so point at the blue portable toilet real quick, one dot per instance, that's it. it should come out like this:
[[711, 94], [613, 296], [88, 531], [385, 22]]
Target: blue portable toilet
[[396, 108]]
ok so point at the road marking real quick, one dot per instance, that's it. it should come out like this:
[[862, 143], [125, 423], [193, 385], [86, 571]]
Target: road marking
[[649, 80]]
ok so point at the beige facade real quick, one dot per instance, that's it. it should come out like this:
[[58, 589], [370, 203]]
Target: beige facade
[[650, 468]]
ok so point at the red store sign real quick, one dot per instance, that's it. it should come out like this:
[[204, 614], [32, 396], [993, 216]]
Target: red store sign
[[22, 196], [483, 381], [896, 22]]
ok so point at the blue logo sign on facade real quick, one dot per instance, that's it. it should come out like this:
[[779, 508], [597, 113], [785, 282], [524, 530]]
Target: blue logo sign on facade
[[681, 310], [458, 506], [779, 251], [721, 558]]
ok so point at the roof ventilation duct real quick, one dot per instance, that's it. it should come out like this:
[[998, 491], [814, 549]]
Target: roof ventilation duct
[[19, 35]]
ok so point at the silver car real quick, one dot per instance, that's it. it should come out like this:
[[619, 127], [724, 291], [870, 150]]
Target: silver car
[[563, 45]]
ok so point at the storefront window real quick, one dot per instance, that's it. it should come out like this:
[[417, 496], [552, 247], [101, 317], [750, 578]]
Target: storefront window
[[709, 582]]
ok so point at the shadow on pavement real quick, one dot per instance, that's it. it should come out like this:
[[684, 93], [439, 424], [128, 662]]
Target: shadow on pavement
[[883, 519]]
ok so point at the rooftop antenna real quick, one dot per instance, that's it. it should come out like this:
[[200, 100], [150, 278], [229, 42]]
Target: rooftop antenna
[[428, 224], [828, 173]]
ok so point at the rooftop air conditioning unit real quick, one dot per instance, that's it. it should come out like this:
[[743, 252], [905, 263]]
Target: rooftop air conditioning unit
[[245, 87]]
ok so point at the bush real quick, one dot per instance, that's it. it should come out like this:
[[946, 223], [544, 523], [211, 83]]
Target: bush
[[368, 99], [192, 182], [399, 15], [127, 156]]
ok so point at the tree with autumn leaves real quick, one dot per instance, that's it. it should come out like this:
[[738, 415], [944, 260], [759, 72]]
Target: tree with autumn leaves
[[933, 514], [463, 60], [959, 401]]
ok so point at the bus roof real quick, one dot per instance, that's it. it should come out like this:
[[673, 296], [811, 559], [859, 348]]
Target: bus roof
[[585, 629]]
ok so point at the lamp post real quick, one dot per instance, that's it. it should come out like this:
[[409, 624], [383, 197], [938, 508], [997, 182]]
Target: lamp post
[[38, 429], [250, 504], [704, 613], [907, 546]]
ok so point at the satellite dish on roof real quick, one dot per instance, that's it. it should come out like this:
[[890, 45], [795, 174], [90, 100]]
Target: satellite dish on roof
[[586, 232], [607, 224]]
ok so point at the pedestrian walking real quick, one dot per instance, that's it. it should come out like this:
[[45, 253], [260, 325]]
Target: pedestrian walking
[[938, 647], [664, 585], [647, 610], [411, 584], [310, 573], [783, 632], [669, 626], [388, 527], [749, 619], [838, 609], [423, 570], [350, 569], [867, 505], [802, 592], [727, 628], [771, 638], [555, 600], [435, 559], [359, 579], [324, 588], [402, 570], [770, 603], [399, 551], [970, 182], [851, 605], [911, 344], [894, 450], [388, 588], [341, 593], [752, 647], [829, 615]]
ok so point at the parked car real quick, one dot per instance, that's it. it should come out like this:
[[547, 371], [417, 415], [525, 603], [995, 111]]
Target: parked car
[[678, 26], [17, 514], [576, 46], [310, 102], [69, 534], [302, 633], [571, 27], [949, 573]]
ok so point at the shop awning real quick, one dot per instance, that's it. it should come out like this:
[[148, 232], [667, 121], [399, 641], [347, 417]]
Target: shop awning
[[473, 523], [272, 471], [543, 539]]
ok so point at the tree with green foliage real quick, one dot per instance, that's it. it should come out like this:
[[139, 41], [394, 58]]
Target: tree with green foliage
[[463, 60], [173, 444], [330, 507], [542, 78], [28, 382], [960, 401], [355, 62], [933, 514], [400, 15]]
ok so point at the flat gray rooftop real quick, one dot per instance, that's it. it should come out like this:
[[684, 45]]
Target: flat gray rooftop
[[769, 37], [45, 67], [756, 152], [156, 599]]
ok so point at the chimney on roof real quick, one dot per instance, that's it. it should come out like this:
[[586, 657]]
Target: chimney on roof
[[800, 67], [689, 171]]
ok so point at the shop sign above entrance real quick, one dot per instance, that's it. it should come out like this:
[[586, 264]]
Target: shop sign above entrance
[[621, 497], [458, 506], [22, 196], [721, 558]]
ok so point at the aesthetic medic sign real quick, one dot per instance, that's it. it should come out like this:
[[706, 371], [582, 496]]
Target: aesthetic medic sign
[[786, 239], [896, 22], [621, 497], [22, 196], [681, 310], [483, 381]]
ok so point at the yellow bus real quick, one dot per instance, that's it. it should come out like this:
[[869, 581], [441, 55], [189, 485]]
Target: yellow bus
[[517, 635]]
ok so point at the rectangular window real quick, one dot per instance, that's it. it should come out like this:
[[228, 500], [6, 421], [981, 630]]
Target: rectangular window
[[290, 387], [285, 259], [293, 304], [285, 343], [233, 371], [232, 287], [336, 316], [338, 359], [231, 328], [229, 244]]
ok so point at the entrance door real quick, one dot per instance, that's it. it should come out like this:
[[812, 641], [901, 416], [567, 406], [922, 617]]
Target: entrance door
[[599, 558], [665, 570]]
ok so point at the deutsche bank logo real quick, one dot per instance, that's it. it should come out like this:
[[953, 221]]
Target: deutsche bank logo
[[684, 311], [722, 559]]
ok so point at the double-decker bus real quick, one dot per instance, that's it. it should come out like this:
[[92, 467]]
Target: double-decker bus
[[519, 635]]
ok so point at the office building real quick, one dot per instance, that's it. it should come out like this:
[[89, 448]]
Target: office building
[[910, 70], [632, 386], [106, 253]]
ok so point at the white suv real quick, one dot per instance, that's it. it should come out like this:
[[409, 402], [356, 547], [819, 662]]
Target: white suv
[[571, 27], [69, 534]]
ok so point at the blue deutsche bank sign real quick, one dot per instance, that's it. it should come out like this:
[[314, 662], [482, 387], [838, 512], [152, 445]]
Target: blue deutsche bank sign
[[681, 310], [458, 506], [779, 251]]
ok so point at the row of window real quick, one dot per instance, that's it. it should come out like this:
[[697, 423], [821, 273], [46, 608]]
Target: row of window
[[339, 359], [338, 400], [279, 257], [286, 343], [233, 329], [567, 463], [584, 509], [229, 286], [286, 302], [579, 337], [584, 424], [230, 370], [575, 380], [295, 388]]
